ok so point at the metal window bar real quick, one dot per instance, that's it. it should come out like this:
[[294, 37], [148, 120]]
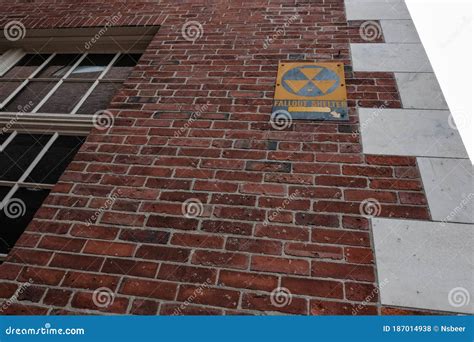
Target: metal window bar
[[58, 84], [16, 91], [26, 81], [96, 82], [20, 182], [27, 172]]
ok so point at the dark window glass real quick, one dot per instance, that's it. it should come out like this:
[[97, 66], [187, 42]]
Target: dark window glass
[[99, 98], [3, 137], [58, 66], [55, 161], [65, 98], [123, 66], [6, 88], [29, 97], [19, 154], [3, 192], [26, 66], [92, 66], [17, 213]]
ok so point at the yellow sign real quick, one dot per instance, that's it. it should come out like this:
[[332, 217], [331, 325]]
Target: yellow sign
[[311, 91]]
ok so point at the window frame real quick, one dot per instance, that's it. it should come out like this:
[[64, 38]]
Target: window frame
[[113, 40], [65, 123]]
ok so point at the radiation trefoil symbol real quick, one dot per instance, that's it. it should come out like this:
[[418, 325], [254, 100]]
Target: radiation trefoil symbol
[[310, 81]]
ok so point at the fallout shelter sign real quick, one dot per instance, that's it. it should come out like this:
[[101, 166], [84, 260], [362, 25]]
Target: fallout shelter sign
[[311, 91]]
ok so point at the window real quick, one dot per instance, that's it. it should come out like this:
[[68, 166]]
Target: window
[[64, 83], [47, 104], [30, 164], [43, 92]]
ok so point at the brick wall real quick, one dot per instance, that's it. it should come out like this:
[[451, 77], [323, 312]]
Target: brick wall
[[280, 208]]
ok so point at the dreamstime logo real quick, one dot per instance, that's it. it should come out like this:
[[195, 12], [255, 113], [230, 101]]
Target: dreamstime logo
[[370, 297], [458, 209], [111, 22], [280, 297], [274, 214], [367, 122], [281, 119], [370, 30], [15, 208], [280, 31], [192, 207], [461, 119], [192, 30], [193, 117], [196, 293], [14, 299], [103, 297], [21, 110], [370, 207], [459, 297], [14, 30], [109, 202], [103, 119]]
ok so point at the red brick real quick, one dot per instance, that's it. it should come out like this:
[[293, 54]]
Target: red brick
[[360, 195], [162, 253], [41, 276], [89, 280], [355, 222], [391, 161], [215, 186], [282, 232], [248, 280], [254, 246], [263, 302], [31, 257], [342, 271], [130, 267], [313, 251], [315, 192], [230, 199], [220, 259], [288, 203], [197, 240], [78, 262], [226, 227], [320, 307], [317, 168], [7, 290], [208, 296], [317, 220], [314, 287], [83, 300], [412, 198], [243, 214], [144, 307], [368, 171], [57, 297], [95, 232], [361, 292], [159, 221], [187, 274], [263, 189], [395, 184], [279, 265], [352, 182], [148, 288], [359, 255], [109, 248], [342, 237], [184, 309]]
